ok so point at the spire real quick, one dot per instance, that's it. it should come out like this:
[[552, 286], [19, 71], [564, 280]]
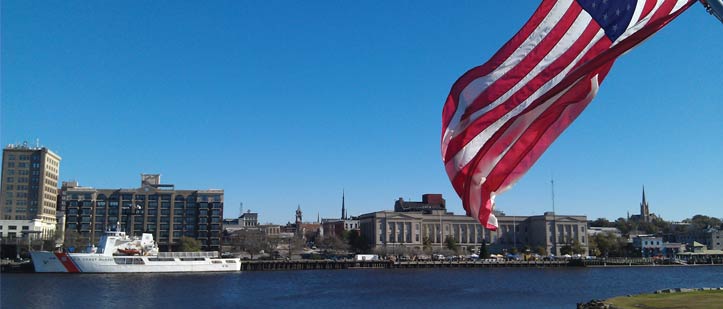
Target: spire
[[343, 207], [644, 195], [644, 209], [298, 215]]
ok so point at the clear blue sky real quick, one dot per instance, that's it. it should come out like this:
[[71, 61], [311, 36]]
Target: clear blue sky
[[282, 103]]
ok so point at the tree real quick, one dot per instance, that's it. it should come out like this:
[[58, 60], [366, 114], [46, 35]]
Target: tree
[[357, 243], [577, 247], [250, 241], [451, 244], [189, 244], [75, 240], [602, 222], [623, 225], [701, 222], [426, 244], [566, 249], [483, 253], [607, 244], [331, 243]]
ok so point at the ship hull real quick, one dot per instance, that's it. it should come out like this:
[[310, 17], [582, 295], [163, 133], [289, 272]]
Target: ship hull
[[61, 262]]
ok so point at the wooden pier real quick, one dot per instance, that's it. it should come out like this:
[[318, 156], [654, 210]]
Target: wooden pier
[[265, 265]]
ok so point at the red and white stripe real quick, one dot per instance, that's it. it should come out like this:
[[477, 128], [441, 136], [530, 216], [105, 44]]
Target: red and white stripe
[[501, 116], [67, 262]]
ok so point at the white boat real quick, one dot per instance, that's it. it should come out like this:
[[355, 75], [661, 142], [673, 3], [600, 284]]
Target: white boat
[[118, 253]]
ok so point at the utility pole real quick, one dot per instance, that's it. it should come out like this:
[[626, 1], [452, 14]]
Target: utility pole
[[554, 220], [514, 230]]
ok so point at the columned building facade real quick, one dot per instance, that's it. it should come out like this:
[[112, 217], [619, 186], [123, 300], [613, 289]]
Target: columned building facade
[[156, 208], [416, 225]]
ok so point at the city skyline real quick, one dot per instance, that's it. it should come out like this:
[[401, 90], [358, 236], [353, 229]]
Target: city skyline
[[342, 98]]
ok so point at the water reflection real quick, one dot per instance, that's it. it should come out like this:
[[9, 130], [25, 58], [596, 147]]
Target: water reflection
[[460, 288]]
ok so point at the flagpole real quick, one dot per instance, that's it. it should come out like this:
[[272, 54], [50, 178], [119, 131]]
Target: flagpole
[[554, 220]]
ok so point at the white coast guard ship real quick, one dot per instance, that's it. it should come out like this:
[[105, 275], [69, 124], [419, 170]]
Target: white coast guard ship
[[118, 253]]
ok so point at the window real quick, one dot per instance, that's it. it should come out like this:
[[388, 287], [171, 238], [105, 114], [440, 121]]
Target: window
[[13, 227]]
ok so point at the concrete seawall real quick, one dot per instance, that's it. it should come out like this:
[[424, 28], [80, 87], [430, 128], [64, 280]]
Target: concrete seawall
[[262, 265]]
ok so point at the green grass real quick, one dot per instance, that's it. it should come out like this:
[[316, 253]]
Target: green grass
[[697, 299]]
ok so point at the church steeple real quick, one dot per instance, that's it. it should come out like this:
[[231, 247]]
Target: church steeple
[[644, 209], [298, 215], [343, 207]]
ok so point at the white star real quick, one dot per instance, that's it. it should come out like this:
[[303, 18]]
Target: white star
[[605, 16], [617, 12], [615, 27]]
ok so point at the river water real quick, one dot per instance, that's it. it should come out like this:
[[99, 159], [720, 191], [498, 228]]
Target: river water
[[359, 288]]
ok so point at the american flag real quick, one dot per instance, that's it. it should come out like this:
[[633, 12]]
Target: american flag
[[501, 116]]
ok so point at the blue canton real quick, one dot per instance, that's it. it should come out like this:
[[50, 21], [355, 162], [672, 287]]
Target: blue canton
[[612, 15]]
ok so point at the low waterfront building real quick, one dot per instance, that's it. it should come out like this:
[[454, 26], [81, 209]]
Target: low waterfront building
[[12, 229], [596, 230], [156, 208], [426, 225], [246, 221], [652, 246], [271, 230]]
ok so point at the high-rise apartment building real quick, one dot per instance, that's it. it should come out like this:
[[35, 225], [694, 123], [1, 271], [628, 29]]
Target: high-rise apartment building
[[29, 185], [156, 208]]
